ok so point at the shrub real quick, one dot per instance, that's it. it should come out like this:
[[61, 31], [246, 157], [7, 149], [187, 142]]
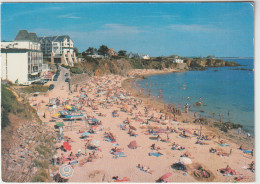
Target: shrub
[[35, 88], [76, 70]]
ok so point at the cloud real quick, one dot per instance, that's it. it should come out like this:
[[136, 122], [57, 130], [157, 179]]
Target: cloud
[[69, 16], [120, 29], [193, 27]]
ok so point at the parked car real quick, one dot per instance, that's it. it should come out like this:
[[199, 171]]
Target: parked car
[[67, 80], [51, 87], [66, 75], [39, 82]]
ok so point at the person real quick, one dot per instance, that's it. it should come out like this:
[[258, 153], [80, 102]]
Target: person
[[241, 147], [252, 166], [228, 168], [230, 151], [158, 137]]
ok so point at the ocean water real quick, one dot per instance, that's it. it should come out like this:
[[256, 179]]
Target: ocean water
[[222, 90]]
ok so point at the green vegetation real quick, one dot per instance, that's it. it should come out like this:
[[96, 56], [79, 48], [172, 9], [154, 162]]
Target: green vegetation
[[76, 70], [35, 88], [7, 104], [103, 50], [41, 176], [11, 105]]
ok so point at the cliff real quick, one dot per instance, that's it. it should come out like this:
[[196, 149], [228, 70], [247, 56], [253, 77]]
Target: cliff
[[201, 64], [122, 66], [27, 144]]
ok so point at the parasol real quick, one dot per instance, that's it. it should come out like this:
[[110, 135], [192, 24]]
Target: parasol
[[68, 107], [185, 160], [66, 171], [132, 145], [94, 120], [60, 124], [85, 134], [67, 146], [95, 143], [165, 176]]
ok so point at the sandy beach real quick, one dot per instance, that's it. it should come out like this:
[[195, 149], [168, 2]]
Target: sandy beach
[[111, 117]]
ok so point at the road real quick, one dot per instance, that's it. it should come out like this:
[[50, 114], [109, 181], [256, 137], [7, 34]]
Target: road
[[60, 85]]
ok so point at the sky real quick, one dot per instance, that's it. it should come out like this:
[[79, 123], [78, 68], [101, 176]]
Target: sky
[[158, 29]]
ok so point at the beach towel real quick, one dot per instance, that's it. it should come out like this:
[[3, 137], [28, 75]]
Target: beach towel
[[144, 171], [223, 145], [120, 154], [115, 144], [155, 154], [246, 151], [74, 162]]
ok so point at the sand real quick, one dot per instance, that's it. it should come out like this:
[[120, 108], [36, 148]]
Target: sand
[[103, 168]]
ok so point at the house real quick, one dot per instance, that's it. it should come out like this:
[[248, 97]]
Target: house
[[96, 56], [21, 61], [58, 49], [145, 57], [133, 55], [177, 60], [112, 52]]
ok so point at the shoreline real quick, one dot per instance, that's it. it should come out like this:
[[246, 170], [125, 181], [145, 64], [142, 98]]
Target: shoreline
[[100, 170], [128, 83]]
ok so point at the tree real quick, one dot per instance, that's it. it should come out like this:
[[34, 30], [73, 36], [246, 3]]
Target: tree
[[76, 51], [103, 50], [122, 53], [91, 51]]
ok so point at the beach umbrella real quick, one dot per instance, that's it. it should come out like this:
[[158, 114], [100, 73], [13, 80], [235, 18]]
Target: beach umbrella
[[59, 124], [94, 127], [85, 134], [56, 114], [68, 107], [66, 171], [95, 143], [165, 176], [132, 145], [94, 120], [67, 146], [185, 160]]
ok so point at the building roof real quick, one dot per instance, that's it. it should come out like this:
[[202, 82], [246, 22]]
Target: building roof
[[15, 50], [53, 38], [23, 35]]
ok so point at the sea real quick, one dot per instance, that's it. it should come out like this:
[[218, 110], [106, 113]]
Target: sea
[[228, 92]]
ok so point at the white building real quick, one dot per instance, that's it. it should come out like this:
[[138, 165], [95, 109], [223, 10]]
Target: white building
[[96, 56], [145, 57], [21, 61], [177, 60], [58, 49]]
